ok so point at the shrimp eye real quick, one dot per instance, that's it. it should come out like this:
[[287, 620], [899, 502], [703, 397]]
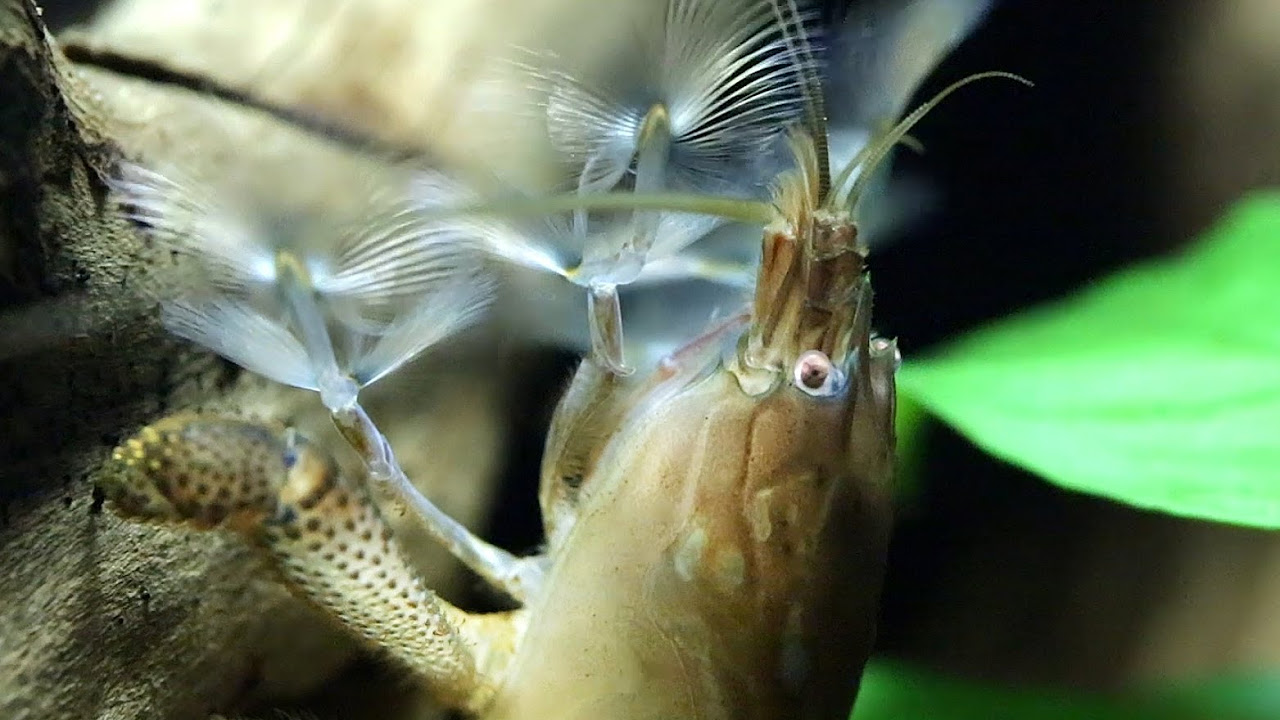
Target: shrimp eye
[[815, 375]]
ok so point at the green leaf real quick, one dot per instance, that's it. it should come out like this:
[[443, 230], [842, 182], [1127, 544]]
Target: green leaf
[[896, 691], [1240, 695], [1159, 387], [910, 424]]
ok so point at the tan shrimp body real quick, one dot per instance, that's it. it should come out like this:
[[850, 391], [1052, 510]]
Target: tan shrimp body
[[704, 582], [716, 530]]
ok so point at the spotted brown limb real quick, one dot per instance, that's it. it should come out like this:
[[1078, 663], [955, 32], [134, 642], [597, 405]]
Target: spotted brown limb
[[325, 537]]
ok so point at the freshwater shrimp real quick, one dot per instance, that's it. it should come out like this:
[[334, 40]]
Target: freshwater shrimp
[[716, 527], [716, 530]]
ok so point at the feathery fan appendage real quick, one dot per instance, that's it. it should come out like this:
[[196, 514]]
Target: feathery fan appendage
[[244, 335], [884, 49], [724, 74], [394, 255], [733, 84], [173, 211], [687, 268], [487, 236], [375, 290], [677, 231], [450, 309], [583, 123], [704, 109]]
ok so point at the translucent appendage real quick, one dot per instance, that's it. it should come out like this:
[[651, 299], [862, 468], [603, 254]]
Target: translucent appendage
[[521, 578], [605, 319]]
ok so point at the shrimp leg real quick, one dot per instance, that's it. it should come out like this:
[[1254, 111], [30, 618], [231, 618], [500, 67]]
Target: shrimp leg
[[322, 534], [519, 577]]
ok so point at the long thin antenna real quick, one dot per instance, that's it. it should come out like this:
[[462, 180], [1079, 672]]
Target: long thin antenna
[[734, 209], [869, 157]]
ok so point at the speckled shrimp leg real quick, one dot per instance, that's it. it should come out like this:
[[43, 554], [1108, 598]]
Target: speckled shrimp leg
[[519, 577], [324, 535]]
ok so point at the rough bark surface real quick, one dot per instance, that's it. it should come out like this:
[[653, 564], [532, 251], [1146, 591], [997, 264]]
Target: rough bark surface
[[105, 619]]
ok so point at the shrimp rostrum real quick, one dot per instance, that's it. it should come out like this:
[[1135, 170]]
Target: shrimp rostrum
[[716, 523]]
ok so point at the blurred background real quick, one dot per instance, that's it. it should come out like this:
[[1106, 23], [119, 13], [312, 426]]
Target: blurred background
[[1147, 120]]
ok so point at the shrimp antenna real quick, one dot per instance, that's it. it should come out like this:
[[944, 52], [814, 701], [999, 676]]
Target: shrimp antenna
[[734, 209], [788, 15], [871, 156]]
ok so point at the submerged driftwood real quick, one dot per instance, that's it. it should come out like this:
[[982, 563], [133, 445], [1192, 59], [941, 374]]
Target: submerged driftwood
[[104, 619]]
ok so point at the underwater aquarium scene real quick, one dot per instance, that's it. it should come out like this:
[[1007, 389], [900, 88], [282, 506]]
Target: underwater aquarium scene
[[639, 360]]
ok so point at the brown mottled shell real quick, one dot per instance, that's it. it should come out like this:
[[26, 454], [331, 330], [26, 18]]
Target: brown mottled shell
[[731, 575]]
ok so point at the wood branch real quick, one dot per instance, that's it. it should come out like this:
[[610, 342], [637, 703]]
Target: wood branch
[[99, 618]]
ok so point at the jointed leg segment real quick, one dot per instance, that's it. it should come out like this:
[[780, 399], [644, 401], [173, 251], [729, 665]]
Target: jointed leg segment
[[518, 577], [326, 538]]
